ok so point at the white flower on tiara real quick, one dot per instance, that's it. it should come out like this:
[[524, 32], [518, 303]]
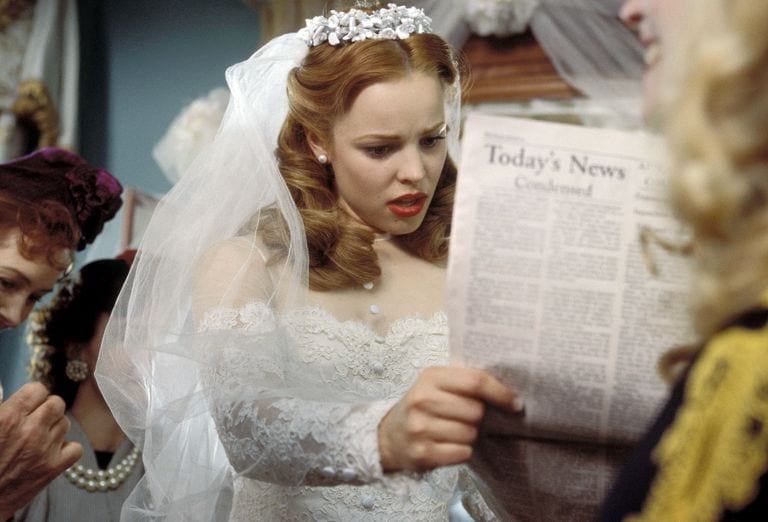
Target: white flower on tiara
[[390, 23]]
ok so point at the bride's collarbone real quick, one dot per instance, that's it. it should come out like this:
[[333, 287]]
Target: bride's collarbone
[[411, 290]]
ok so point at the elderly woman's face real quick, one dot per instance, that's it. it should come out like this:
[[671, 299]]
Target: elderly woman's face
[[23, 281], [654, 21]]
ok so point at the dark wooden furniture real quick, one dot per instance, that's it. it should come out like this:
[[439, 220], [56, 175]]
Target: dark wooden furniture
[[514, 68]]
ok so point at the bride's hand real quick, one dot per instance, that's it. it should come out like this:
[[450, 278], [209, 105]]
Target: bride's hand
[[436, 422]]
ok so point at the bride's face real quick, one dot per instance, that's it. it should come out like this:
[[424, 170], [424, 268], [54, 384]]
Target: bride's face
[[23, 281], [388, 151], [655, 22]]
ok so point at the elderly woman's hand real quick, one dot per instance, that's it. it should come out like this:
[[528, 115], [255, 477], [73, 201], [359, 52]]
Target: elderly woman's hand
[[32, 447]]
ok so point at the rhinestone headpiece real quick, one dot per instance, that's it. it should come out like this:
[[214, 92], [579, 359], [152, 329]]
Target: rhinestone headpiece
[[388, 23]]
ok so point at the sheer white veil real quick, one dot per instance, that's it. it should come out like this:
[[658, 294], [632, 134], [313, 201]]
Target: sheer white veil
[[154, 358], [148, 368]]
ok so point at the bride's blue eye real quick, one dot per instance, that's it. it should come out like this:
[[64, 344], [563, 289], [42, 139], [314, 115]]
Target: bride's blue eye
[[432, 141], [379, 151]]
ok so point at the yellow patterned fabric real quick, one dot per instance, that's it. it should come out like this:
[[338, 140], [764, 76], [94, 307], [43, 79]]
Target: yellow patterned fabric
[[712, 456]]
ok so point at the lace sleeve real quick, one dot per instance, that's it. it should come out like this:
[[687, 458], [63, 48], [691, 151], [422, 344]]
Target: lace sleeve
[[278, 420]]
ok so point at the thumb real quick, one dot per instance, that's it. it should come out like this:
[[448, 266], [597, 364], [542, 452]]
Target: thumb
[[70, 453]]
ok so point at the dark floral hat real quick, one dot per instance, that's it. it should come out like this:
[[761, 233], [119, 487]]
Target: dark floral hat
[[91, 194]]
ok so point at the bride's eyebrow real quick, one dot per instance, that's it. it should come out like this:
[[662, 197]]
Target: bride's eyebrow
[[386, 137], [437, 128]]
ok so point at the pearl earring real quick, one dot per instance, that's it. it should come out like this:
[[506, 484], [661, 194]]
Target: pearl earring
[[322, 159], [76, 369]]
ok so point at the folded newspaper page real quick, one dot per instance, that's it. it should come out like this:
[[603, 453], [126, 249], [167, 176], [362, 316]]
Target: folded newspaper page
[[566, 281]]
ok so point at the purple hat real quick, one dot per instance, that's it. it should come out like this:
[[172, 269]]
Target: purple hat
[[92, 195]]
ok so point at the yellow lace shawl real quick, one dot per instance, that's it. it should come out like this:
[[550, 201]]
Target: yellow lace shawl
[[712, 456]]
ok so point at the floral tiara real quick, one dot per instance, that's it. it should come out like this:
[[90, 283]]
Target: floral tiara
[[388, 23]]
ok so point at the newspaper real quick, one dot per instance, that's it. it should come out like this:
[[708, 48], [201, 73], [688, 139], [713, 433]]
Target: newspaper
[[563, 281]]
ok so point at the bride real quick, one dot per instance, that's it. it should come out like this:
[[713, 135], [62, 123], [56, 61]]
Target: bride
[[280, 350]]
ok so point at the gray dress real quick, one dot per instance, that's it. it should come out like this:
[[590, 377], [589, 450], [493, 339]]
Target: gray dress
[[62, 501]]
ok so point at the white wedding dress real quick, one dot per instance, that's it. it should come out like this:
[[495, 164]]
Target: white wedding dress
[[310, 451], [298, 400]]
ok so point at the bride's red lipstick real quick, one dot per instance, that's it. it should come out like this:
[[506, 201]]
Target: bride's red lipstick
[[407, 205]]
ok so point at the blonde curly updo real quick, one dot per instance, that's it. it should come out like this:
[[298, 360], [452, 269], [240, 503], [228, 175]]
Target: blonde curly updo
[[718, 139]]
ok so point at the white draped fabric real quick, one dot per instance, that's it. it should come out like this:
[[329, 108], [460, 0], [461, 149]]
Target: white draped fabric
[[589, 46], [39, 72]]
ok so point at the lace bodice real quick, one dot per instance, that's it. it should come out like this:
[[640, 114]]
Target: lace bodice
[[299, 420]]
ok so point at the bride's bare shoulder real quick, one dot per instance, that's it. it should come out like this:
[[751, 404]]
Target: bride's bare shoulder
[[234, 253], [233, 271]]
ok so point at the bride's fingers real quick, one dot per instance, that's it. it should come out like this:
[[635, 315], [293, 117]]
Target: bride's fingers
[[441, 430], [435, 423], [442, 404], [475, 384], [435, 454]]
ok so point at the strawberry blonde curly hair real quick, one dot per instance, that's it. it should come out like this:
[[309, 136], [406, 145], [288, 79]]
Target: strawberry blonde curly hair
[[322, 89]]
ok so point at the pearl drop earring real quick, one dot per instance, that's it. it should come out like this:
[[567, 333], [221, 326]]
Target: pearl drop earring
[[322, 159]]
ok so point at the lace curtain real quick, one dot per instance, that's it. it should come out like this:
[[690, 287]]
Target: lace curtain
[[591, 49]]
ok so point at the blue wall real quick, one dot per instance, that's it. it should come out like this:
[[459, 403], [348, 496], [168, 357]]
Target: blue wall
[[142, 61], [13, 360], [159, 57]]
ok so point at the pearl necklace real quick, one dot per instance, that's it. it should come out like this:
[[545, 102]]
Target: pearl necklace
[[102, 479], [375, 309]]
